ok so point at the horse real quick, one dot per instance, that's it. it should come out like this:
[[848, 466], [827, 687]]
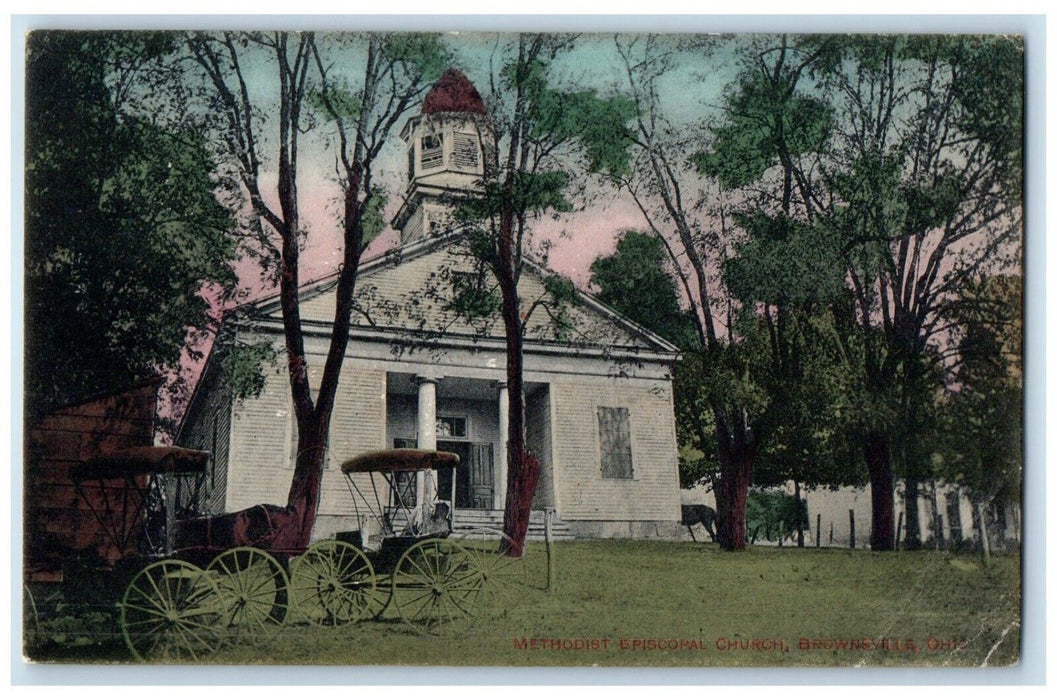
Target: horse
[[699, 514]]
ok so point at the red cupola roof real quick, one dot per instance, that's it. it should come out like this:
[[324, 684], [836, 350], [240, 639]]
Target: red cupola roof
[[453, 93]]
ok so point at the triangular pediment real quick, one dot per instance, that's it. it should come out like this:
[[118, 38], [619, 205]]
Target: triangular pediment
[[410, 289]]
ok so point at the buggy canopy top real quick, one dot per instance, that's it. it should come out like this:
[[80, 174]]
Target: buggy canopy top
[[400, 460], [150, 459]]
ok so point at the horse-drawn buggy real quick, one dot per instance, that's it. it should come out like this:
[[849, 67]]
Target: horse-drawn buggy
[[182, 590]]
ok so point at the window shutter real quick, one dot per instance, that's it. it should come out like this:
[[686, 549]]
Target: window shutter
[[464, 154], [614, 438]]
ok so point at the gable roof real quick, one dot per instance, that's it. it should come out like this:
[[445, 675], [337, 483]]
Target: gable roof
[[403, 290]]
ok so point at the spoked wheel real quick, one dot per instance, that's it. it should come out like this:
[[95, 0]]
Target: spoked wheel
[[436, 586], [333, 583], [254, 594], [170, 612], [503, 578]]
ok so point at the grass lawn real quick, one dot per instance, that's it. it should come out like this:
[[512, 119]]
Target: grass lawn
[[635, 603]]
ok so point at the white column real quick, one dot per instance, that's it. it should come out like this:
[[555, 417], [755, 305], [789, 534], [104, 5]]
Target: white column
[[499, 494], [427, 433]]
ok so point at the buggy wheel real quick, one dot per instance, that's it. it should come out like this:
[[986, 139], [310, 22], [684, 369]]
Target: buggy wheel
[[436, 587], [170, 613], [504, 579], [254, 594], [333, 583]]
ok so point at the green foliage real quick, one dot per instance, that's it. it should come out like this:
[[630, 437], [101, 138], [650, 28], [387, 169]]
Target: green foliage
[[766, 121], [123, 228], [983, 446], [472, 298], [533, 193], [243, 368], [373, 220], [422, 53], [981, 432], [694, 423], [635, 281], [813, 418], [774, 514], [785, 262], [339, 102], [990, 86], [600, 125], [561, 297]]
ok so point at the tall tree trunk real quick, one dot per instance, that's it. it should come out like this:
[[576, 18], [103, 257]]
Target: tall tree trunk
[[911, 497], [879, 466], [306, 485], [522, 469], [732, 496]]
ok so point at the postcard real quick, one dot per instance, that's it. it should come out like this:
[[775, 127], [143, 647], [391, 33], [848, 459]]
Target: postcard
[[523, 350]]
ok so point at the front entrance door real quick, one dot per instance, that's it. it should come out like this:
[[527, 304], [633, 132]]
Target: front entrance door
[[482, 479], [474, 477]]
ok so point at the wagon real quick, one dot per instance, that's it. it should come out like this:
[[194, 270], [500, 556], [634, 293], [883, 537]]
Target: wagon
[[180, 596], [404, 558], [168, 607]]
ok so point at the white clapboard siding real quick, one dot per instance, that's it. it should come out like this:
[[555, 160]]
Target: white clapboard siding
[[208, 427], [538, 435], [264, 441], [653, 492], [357, 426], [260, 446]]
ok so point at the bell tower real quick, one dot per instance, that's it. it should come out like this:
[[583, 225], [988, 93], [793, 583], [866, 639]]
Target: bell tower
[[446, 148]]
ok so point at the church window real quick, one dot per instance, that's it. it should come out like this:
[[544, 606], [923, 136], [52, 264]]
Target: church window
[[451, 426], [432, 151]]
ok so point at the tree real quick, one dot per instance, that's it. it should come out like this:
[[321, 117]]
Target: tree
[[123, 230], [361, 111], [635, 281], [736, 235], [924, 187], [540, 134], [981, 418]]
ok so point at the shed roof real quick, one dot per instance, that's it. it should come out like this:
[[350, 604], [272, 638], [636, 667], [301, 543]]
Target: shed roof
[[132, 461]]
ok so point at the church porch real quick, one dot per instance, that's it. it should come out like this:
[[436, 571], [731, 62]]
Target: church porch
[[467, 416]]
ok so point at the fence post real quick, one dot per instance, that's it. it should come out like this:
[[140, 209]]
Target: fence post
[[818, 529], [548, 515], [899, 529], [851, 519]]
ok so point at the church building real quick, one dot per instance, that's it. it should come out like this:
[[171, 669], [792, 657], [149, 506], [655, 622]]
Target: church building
[[598, 387]]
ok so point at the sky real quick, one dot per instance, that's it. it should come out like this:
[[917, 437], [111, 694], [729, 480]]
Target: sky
[[690, 93]]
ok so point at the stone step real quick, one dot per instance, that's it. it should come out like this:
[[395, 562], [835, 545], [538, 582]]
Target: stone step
[[468, 520]]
